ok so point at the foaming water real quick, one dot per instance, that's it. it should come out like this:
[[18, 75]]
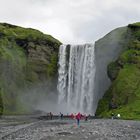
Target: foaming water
[[76, 77]]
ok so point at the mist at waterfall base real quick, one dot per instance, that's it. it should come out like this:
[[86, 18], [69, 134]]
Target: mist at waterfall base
[[40, 98], [76, 78]]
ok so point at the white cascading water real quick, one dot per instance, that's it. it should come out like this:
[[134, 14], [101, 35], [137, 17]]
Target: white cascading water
[[76, 78]]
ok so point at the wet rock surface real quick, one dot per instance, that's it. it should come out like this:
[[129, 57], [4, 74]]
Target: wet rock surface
[[27, 128]]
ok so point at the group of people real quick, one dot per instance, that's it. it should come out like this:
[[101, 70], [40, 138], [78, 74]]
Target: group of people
[[79, 116], [75, 116]]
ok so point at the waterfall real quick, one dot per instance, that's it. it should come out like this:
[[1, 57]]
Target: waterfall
[[76, 78]]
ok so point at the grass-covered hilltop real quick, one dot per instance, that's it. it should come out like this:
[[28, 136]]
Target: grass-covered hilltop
[[27, 57], [123, 96]]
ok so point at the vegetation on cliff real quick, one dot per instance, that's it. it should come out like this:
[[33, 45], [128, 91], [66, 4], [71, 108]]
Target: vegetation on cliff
[[123, 96], [27, 57]]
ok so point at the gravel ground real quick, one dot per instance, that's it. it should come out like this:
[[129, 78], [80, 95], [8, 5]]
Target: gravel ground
[[28, 128]]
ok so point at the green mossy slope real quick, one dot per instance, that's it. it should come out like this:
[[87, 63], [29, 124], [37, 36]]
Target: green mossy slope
[[123, 96], [27, 57]]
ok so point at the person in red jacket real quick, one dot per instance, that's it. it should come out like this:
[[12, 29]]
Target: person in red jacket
[[72, 116], [78, 117]]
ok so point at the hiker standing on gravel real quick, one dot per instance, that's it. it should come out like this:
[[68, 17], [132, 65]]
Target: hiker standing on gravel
[[61, 116], [51, 115], [112, 116], [86, 117], [78, 117], [118, 116], [72, 116]]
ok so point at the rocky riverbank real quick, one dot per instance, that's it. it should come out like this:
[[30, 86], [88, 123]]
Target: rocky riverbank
[[31, 128]]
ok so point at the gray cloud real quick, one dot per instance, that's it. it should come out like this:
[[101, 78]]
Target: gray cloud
[[71, 21]]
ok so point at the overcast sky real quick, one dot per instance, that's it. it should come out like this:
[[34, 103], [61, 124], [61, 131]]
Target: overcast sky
[[71, 21]]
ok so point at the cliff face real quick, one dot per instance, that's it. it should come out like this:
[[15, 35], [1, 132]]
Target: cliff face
[[123, 96], [27, 57], [107, 49]]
